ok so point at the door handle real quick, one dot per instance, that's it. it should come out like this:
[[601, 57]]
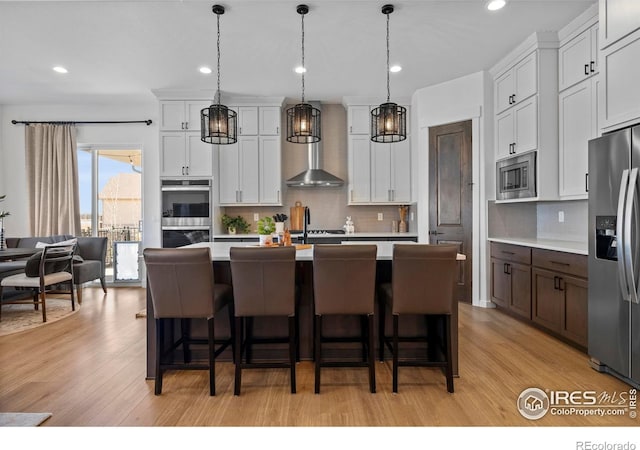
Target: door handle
[[586, 69], [621, 247], [631, 209], [433, 233], [586, 182]]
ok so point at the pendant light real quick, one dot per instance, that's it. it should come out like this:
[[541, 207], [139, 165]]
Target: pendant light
[[218, 123], [389, 120], [303, 120]]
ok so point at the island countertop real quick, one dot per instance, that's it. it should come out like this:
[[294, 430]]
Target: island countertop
[[220, 250]]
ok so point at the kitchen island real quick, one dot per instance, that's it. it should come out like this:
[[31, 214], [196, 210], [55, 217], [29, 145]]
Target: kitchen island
[[304, 258]]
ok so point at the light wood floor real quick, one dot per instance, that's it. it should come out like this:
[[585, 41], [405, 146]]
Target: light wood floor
[[89, 370]]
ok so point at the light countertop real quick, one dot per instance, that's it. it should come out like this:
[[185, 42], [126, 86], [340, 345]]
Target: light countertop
[[363, 234], [579, 248], [220, 250]]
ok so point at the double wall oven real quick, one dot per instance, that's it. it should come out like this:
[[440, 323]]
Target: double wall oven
[[186, 211]]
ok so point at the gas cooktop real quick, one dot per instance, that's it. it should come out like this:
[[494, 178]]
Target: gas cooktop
[[318, 232]]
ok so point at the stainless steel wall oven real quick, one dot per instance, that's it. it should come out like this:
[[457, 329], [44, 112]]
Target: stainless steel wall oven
[[186, 211]]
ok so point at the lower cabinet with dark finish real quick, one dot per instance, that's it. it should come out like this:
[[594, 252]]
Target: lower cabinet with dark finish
[[542, 287], [560, 296]]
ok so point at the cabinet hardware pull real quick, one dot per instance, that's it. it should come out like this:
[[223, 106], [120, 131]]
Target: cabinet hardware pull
[[586, 182], [182, 170], [514, 98], [560, 263], [277, 130], [560, 284], [514, 148], [351, 195], [187, 170], [182, 127], [278, 201], [507, 253], [586, 69], [508, 268], [556, 282], [592, 66], [240, 130], [186, 125], [350, 129]]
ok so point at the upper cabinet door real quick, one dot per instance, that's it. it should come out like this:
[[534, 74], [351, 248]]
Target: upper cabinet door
[[401, 171], [574, 60], [199, 156], [270, 170], [193, 111], [526, 126], [504, 135], [359, 170], [526, 77], [172, 154], [229, 173], [517, 84], [249, 170], [618, 18], [247, 120], [172, 115], [381, 172], [505, 88], [269, 120], [359, 119]]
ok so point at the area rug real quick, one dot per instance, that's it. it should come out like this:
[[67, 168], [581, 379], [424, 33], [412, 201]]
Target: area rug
[[22, 419], [21, 317]]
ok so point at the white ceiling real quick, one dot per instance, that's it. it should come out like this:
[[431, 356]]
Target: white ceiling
[[118, 51]]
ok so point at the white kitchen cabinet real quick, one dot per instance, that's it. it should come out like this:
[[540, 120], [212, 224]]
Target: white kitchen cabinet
[[390, 164], [618, 18], [578, 58], [620, 100], [269, 120], [517, 129], [578, 124], [239, 172], [184, 154], [270, 170], [179, 115], [516, 84], [359, 169], [378, 173], [359, 119], [247, 120], [530, 122]]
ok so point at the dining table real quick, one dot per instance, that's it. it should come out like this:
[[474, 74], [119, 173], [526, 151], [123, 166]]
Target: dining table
[[304, 278], [8, 254]]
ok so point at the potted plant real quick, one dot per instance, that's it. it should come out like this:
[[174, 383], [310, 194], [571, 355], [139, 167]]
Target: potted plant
[[3, 214], [266, 227], [234, 225]]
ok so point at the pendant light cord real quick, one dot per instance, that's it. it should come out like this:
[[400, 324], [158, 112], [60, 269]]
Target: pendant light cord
[[218, 17], [388, 88], [303, 67]]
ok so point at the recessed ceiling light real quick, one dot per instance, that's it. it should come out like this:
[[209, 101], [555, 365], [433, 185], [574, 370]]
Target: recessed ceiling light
[[60, 69], [205, 70], [494, 5], [395, 68], [300, 69]]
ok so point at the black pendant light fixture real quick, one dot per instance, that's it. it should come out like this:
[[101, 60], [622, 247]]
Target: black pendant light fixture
[[218, 124], [303, 120], [389, 120]]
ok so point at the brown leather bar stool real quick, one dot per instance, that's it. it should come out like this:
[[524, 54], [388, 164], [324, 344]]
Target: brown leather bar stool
[[423, 281], [263, 285], [344, 284], [182, 287]]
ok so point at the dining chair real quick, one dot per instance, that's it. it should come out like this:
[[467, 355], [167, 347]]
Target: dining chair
[[44, 271], [423, 282], [344, 279], [263, 281], [182, 286]]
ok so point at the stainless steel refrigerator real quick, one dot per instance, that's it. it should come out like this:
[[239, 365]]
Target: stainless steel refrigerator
[[614, 254]]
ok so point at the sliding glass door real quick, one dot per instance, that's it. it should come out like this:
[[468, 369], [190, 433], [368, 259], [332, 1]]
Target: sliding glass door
[[110, 185]]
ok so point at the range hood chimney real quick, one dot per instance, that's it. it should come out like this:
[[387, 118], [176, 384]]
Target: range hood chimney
[[315, 176]]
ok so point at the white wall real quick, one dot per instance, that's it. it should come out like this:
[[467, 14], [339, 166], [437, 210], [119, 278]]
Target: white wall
[[12, 157], [453, 101]]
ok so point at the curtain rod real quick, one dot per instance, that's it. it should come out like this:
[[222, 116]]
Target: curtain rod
[[28, 122]]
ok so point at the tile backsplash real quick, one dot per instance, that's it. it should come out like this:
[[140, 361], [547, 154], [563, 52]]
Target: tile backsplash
[[540, 220], [328, 206]]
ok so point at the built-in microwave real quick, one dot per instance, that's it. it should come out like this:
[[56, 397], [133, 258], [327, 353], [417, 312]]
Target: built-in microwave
[[516, 177]]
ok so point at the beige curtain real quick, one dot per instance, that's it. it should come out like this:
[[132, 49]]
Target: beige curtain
[[52, 179]]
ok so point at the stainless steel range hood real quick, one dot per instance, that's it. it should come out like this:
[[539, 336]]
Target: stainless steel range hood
[[315, 176]]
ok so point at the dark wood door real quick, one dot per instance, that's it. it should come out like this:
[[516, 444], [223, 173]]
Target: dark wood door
[[450, 194]]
